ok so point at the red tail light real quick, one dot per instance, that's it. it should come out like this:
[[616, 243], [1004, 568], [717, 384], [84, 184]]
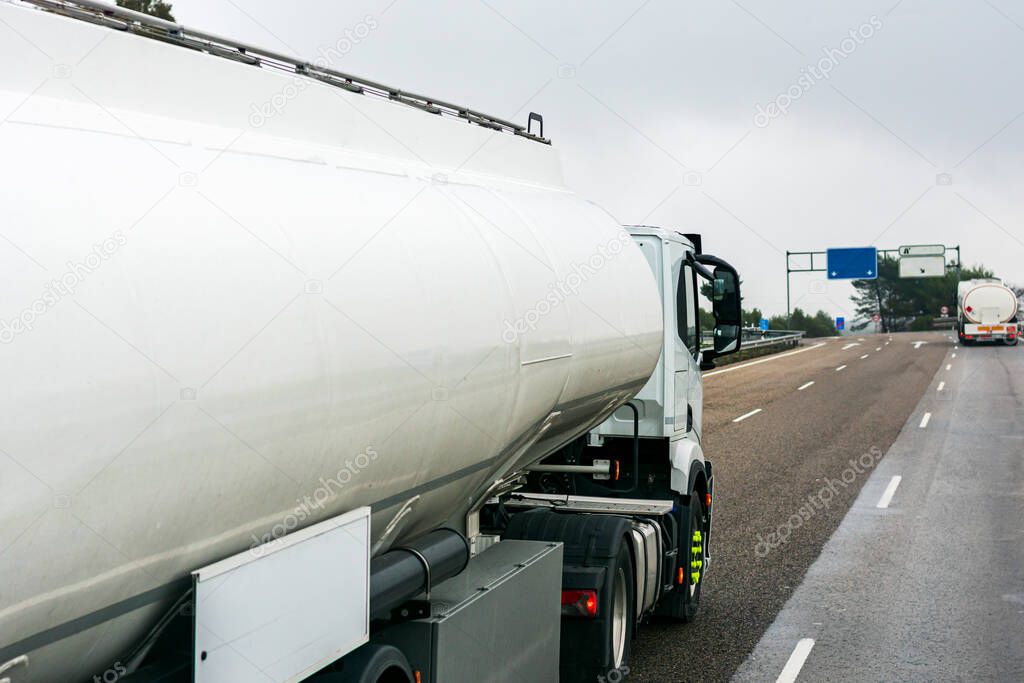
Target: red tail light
[[579, 603], [969, 336]]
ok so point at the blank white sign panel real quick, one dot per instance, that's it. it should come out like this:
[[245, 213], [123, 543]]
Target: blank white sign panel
[[922, 266], [281, 611]]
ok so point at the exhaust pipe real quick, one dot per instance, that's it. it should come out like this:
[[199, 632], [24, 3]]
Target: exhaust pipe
[[404, 572]]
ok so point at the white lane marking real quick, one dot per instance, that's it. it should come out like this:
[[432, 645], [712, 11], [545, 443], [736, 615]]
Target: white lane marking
[[861, 339], [942, 385], [886, 343], [850, 346], [752, 413], [919, 344], [809, 384], [865, 356], [890, 490], [763, 360], [841, 367], [925, 420], [956, 346], [879, 348], [949, 367], [954, 355], [796, 661]]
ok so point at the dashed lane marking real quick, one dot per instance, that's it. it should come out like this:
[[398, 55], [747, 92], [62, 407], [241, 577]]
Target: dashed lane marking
[[752, 413], [890, 490], [796, 661]]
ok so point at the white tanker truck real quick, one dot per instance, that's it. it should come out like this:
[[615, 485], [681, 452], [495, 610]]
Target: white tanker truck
[[986, 312], [307, 377]]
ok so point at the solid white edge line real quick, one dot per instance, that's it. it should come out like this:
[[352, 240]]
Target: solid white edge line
[[752, 413], [841, 367], [925, 420], [763, 360], [942, 385], [889, 492], [796, 661], [809, 384]]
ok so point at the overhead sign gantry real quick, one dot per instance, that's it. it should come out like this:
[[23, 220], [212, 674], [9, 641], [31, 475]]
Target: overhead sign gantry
[[861, 263]]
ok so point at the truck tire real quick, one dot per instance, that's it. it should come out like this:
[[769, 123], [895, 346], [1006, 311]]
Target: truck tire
[[683, 603], [596, 557], [372, 663], [617, 615], [621, 619]]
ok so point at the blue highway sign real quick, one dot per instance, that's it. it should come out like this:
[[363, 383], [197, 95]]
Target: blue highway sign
[[857, 263], [840, 324], [764, 324]]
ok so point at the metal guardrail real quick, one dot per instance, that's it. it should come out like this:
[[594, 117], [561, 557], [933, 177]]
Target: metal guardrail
[[755, 338]]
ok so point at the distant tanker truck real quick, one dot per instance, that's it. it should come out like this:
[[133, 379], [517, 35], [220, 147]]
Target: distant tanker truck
[[310, 377], [987, 312]]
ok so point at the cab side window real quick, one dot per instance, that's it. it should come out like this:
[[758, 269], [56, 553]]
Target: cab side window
[[692, 316], [683, 305]]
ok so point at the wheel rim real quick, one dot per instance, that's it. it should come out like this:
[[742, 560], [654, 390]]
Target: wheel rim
[[696, 560], [620, 613]]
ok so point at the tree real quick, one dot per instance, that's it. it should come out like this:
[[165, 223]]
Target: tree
[[907, 303], [156, 8], [818, 325]]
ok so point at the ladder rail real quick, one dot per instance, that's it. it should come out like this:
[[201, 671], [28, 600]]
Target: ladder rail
[[120, 18]]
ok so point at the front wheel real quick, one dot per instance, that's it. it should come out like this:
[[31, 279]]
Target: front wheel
[[683, 603]]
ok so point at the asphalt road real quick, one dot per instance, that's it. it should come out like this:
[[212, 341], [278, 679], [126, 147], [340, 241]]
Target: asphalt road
[[785, 478], [924, 579]]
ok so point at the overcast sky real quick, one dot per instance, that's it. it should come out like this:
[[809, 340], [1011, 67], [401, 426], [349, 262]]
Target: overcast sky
[[903, 121]]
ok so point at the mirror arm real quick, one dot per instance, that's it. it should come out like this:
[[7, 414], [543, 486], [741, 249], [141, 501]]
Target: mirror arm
[[696, 264], [713, 261]]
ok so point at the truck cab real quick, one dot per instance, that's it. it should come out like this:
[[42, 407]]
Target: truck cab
[[638, 485], [670, 404]]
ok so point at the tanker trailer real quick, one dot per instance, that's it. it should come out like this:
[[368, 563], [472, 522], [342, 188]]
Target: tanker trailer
[[311, 376], [986, 312]]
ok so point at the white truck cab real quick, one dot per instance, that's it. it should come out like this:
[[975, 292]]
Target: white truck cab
[[642, 470], [670, 406]]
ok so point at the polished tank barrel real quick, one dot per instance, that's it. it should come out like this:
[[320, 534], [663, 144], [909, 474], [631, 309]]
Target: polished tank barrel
[[238, 302]]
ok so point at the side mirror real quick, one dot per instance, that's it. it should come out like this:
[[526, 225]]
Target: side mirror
[[728, 314], [726, 306]]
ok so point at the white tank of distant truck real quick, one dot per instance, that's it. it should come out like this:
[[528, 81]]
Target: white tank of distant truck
[[986, 302], [236, 303]]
